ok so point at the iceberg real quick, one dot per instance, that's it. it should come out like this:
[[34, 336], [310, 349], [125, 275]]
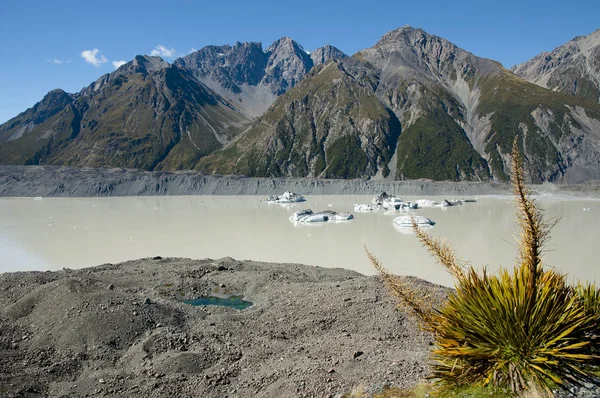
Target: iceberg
[[392, 202], [385, 198], [408, 206], [406, 222], [334, 216], [308, 216], [425, 203], [363, 208], [287, 197], [442, 204]]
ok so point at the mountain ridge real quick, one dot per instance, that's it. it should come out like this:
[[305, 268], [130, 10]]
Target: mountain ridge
[[572, 68], [140, 116], [250, 77], [414, 105]]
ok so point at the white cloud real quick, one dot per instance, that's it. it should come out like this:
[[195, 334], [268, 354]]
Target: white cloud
[[58, 61], [117, 64], [192, 50], [93, 57], [162, 51]]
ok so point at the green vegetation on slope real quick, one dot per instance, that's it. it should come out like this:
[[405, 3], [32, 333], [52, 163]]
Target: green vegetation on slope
[[162, 119], [346, 158], [37, 146], [330, 125], [511, 101], [437, 148]]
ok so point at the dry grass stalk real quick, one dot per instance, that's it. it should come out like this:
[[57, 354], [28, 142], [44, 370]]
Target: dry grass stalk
[[441, 250], [410, 298], [534, 231]]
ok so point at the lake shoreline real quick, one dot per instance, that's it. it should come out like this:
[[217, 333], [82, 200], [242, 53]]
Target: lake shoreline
[[61, 181]]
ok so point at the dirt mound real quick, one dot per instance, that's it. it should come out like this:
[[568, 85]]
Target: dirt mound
[[123, 330]]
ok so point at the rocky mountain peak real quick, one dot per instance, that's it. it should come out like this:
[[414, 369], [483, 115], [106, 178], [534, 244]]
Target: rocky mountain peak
[[288, 63], [52, 103], [573, 68], [144, 64], [227, 66], [587, 41], [323, 54], [55, 96], [141, 64], [409, 36], [426, 54], [284, 43]]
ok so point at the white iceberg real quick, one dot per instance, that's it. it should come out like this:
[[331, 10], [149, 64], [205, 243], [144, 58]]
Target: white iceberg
[[385, 197], [392, 202], [287, 197], [442, 204], [363, 208], [426, 203], [334, 216], [308, 216], [408, 206], [406, 222]]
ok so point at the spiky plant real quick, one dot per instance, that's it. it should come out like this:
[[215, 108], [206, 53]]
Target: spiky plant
[[525, 330], [589, 294]]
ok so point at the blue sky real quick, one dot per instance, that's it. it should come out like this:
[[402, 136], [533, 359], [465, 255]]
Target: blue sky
[[42, 41]]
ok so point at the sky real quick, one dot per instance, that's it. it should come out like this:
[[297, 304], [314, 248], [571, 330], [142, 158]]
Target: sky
[[69, 44]]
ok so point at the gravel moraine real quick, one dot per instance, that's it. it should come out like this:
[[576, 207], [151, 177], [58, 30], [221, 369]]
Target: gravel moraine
[[48, 181], [122, 330]]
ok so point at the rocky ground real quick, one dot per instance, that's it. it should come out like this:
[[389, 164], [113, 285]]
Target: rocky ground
[[45, 181], [123, 330]]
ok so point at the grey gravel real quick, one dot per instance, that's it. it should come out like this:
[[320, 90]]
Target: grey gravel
[[65, 334], [49, 181]]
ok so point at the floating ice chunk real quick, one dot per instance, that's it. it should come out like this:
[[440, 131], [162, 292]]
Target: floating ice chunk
[[442, 204], [308, 216], [406, 222], [332, 215], [38, 198], [426, 203], [287, 197], [363, 208], [392, 202], [385, 197], [407, 206]]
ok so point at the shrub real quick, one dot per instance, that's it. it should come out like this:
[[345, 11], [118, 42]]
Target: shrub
[[521, 331]]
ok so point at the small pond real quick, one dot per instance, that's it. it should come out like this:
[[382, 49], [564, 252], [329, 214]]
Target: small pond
[[231, 302]]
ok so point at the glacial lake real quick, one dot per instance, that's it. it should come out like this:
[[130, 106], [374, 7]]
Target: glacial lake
[[56, 233]]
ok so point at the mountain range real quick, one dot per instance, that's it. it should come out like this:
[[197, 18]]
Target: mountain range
[[412, 106]]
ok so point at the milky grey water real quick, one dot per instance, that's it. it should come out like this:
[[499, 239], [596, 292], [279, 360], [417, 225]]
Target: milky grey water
[[78, 232]]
